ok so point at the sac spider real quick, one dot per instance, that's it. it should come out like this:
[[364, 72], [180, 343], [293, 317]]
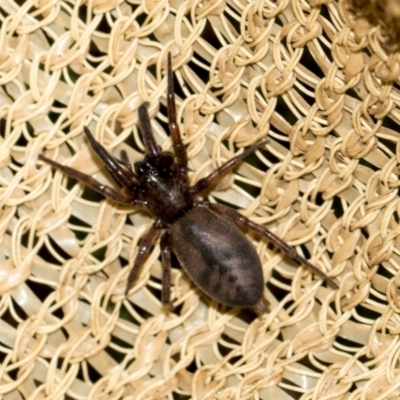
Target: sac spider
[[213, 251]]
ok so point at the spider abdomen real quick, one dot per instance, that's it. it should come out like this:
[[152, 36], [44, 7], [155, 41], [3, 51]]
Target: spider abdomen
[[218, 257]]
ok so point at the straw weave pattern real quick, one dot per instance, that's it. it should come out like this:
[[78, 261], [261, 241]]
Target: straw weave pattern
[[315, 79]]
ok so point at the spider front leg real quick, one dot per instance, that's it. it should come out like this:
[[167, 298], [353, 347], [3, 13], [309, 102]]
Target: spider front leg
[[179, 148], [106, 191], [210, 180], [122, 176], [241, 220]]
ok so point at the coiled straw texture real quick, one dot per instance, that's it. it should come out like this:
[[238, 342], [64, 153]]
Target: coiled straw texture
[[313, 76]]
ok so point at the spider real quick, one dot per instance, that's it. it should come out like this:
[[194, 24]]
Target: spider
[[204, 236]]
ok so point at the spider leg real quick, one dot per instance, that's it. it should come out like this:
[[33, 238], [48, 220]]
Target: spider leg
[[144, 250], [106, 191], [113, 166], [166, 267], [210, 180], [241, 220], [128, 164], [152, 148], [179, 148]]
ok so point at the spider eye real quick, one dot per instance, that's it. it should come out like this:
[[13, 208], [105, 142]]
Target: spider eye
[[155, 165], [143, 167]]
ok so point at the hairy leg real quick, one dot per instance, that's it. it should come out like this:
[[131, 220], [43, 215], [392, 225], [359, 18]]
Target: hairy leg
[[179, 148], [210, 180], [106, 191], [144, 250], [128, 164], [113, 166], [166, 268]]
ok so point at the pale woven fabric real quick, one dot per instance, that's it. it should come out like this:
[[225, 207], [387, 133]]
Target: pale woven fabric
[[310, 75]]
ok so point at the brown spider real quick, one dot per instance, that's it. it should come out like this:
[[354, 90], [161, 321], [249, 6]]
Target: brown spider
[[213, 251]]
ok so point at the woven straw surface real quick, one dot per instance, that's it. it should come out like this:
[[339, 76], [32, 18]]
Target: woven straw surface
[[310, 76]]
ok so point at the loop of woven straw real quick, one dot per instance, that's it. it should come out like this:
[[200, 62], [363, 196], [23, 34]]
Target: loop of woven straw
[[317, 79]]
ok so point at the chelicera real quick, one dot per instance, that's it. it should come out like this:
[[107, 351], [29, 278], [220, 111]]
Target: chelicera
[[204, 236]]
